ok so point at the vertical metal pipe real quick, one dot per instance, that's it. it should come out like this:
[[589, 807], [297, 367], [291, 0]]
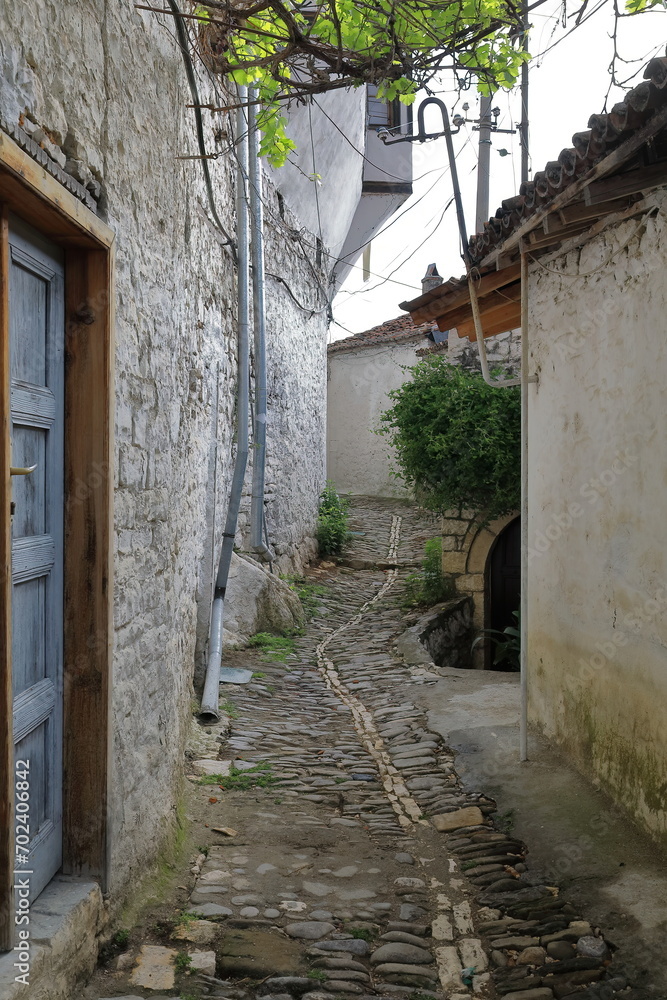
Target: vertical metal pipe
[[474, 301], [483, 163], [523, 127], [210, 698], [523, 381], [257, 542], [523, 624]]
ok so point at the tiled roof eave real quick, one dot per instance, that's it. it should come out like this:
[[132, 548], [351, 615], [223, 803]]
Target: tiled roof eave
[[349, 345]]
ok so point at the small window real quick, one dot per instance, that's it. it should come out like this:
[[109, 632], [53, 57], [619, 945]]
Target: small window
[[380, 113]]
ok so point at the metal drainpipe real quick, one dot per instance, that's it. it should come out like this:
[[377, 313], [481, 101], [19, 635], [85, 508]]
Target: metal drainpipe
[[257, 542], [209, 705], [523, 624], [523, 382]]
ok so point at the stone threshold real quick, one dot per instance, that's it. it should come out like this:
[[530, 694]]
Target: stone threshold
[[64, 926]]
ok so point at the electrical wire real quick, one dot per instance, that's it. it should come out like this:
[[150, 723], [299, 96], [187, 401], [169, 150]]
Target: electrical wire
[[279, 222], [410, 255], [398, 217], [182, 39], [387, 173]]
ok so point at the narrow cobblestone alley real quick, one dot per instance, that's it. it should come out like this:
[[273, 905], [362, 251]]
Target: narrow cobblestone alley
[[354, 864]]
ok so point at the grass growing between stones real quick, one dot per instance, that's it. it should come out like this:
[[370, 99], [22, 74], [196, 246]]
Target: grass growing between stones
[[361, 933], [259, 776], [317, 974], [274, 647], [505, 821], [308, 593], [182, 961]]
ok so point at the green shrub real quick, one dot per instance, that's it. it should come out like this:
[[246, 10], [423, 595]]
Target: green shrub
[[332, 522], [182, 961], [457, 439], [430, 586]]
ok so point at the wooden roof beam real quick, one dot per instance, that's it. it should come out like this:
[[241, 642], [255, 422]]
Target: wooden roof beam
[[631, 182], [488, 283], [510, 320], [493, 321], [450, 319]]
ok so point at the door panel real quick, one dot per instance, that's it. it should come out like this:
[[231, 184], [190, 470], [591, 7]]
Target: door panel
[[36, 313], [504, 577]]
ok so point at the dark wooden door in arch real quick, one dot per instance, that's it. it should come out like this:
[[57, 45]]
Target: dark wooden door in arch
[[503, 578]]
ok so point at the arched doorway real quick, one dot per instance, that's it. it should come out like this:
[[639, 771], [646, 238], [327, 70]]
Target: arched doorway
[[503, 581]]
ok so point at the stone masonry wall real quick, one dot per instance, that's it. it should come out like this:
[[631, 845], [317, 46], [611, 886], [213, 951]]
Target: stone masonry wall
[[105, 85], [503, 351]]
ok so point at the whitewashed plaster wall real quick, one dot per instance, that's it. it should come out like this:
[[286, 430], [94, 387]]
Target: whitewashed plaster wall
[[325, 190], [359, 460], [107, 84], [597, 576]]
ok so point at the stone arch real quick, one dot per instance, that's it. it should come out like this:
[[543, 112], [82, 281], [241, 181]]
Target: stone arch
[[479, 544]]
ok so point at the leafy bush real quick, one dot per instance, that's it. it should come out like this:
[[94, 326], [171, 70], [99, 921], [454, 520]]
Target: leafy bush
[[458, 440], [332, 522], [430, 586]]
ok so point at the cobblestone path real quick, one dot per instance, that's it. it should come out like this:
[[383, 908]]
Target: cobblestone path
[[354, 864]]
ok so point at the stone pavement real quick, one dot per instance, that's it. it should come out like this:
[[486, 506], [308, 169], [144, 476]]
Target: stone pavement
[[354, 864]]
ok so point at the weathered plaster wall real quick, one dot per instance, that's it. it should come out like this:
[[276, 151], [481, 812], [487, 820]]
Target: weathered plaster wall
[[107, 84], [358, 460], [325, 191], [597, 555]]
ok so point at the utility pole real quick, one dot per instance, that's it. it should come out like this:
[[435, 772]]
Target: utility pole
[[484, 163], [523, 127]]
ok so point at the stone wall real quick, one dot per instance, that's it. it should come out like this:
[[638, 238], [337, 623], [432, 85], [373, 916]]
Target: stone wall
[[597, 560], [443, 636], [103, 88], [503, 351]]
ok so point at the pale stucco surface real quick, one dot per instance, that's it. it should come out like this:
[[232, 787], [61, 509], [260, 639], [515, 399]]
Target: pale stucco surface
[[597, 576], [359, 460]]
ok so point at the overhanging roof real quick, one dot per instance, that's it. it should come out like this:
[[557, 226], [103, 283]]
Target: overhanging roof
[[603, 178]]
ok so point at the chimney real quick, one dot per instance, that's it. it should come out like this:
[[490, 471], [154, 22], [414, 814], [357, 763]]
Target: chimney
[[431, 279]]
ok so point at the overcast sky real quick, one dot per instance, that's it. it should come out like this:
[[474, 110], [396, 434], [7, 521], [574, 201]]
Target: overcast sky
[[568, 84]]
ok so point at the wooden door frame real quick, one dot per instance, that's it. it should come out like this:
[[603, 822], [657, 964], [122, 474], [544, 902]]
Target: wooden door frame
[[28, 191]]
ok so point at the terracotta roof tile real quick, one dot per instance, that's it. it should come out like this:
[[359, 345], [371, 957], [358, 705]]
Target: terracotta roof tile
[[605, 132], [401, 328]]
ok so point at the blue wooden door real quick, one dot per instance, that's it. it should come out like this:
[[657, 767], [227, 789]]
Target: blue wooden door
[[36, 324]]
